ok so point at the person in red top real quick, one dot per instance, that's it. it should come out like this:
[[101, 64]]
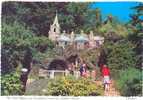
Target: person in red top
[[106, 77]]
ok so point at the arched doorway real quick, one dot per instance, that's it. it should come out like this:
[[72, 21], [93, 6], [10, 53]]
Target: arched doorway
[[58, 64]]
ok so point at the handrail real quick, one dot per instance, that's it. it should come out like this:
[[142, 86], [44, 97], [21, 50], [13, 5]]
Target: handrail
[[57, 71], [52, 73]]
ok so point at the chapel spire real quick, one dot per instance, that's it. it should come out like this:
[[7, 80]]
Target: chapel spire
[[54, 29], [56, 22]]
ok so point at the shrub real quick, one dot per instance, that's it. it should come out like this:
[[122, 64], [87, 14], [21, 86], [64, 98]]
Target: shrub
[[129, 82], [11, 84], [68, 86]]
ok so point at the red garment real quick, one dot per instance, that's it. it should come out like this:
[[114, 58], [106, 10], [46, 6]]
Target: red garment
[[105, 71]]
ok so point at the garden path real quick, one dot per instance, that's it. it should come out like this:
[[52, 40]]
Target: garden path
[[113, 91]]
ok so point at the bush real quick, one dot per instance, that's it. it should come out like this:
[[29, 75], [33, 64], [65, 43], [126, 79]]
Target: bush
[[11, 84], [68, 86], [129, 82]]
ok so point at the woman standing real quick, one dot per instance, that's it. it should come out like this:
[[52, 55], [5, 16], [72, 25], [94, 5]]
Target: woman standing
[[106, 77]]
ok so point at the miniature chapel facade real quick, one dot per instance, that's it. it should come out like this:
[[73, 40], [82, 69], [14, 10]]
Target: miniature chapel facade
[[63, 39]]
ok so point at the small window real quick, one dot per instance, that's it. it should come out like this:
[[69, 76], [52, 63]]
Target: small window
[[54, 29]]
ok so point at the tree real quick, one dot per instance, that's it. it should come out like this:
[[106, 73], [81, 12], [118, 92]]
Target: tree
[[39, 15], [98, 17], [36, 15], [120, 56], [18, 44], [135, 28], [16, 38], [113, 27]]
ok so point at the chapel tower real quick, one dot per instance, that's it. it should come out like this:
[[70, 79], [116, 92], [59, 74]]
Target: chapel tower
[[54, 29]]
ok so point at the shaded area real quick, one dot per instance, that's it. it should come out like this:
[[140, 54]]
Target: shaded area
[[58, 64], [72, 58]]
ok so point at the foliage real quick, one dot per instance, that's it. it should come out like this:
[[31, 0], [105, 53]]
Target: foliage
[[42, 43], [41, 57], [16, 39], [98, 17], [135, 28], [10, 84], [69, 86], [90, 57], [120, 56], [18, 36], [117, 28], [72, 16], [23, 27], [15, 35], [129, 82]]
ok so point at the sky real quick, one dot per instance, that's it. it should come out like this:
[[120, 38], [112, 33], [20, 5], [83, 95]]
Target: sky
[[121, 10]]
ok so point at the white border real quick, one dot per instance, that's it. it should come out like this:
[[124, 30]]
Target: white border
[[66, 97], [75, 0]]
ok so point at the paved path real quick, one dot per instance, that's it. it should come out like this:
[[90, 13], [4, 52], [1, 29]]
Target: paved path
[[112, 92]]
